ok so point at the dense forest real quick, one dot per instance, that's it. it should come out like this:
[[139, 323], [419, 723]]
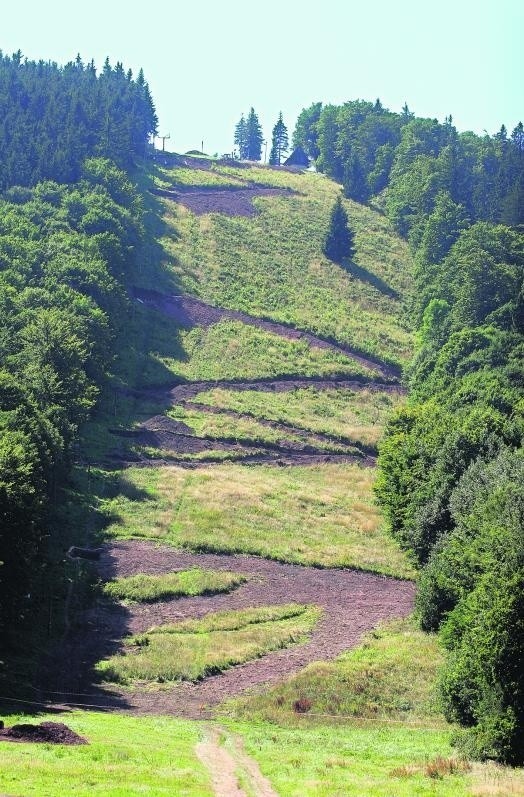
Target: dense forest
[[53, 117], [70, 225], [451, 463]]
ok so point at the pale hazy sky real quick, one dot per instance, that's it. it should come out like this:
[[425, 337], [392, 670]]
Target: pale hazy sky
[[207, 62]]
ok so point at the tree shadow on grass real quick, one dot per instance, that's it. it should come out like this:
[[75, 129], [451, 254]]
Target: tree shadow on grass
[[367, 276]]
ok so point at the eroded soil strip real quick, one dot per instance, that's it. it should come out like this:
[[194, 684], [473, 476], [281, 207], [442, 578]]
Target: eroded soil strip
[[353, 602], [189, 312], [230, 200], [322, 438]]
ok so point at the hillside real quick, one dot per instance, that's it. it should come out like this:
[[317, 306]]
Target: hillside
[[227, 477]]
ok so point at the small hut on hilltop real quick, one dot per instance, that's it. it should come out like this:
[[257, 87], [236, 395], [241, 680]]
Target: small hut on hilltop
[[297, 158]]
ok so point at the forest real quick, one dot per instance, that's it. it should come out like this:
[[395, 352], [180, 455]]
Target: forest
[[451, 463], [70, 224]]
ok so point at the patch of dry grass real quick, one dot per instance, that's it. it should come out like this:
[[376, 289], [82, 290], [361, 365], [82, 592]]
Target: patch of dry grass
[[355, 414], [323, 515], [192, 649]]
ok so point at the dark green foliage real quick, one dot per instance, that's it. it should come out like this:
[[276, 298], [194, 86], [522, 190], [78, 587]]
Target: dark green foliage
[[279, 142], [63, 250], [339, 238], [306, 130], [54, 117], [254, 137], [369, 149], [241, 138]]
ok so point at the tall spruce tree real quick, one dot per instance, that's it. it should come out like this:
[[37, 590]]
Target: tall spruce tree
[[279, 143], [254, 137], [339, 239], [241, 138]]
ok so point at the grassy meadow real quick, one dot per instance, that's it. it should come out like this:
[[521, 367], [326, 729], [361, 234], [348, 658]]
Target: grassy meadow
[[357, 415], [289, 278], [318, 515], [126, 757]]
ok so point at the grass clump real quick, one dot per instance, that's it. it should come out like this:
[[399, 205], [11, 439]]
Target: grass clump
[[144, 587], [319, 515], [193, 649], [391, 675]]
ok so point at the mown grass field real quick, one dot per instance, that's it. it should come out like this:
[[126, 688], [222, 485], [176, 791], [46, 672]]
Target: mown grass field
[[322, 515], [126, 756], [191, 649], [289, 278]]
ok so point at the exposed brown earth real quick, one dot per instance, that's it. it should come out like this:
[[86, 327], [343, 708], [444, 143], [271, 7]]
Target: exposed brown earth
[[45, 732], [353, 602], [230, 200], [189, 312]]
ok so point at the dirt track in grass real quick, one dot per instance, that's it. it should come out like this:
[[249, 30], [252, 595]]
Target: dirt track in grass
[[353, 603], [190, 312]]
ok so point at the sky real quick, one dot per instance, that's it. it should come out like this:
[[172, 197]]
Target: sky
[[208, 62]]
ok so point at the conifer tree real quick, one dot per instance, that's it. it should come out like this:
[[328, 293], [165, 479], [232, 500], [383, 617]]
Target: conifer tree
[[280, 142], [241, 138], [339, 239], [254, 137]]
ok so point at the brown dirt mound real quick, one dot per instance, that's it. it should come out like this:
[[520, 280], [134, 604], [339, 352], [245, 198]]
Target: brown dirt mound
[[48, 732]]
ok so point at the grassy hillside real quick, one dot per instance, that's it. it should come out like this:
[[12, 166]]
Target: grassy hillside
[[365, 722], [279, 249]]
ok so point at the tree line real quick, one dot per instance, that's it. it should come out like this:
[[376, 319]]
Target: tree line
[[368, 149], [451, 464], [249, 139], [53, 117], [71, 224]]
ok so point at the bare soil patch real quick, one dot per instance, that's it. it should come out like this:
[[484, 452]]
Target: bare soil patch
[[230, 200], [354, 602], [48, 732], [189, 312]]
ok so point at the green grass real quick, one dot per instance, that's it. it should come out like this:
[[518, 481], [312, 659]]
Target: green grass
[[356, 414], [233, 350], [126, 756], [169, 178], [209, 425], [353, 761], [192, 649], [390, 675], [321, 515], [289, 278], [144, 587]]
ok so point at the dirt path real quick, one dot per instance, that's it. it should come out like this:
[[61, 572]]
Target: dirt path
[[176, 438], [353, 603], [224, 756], [189, 312]]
